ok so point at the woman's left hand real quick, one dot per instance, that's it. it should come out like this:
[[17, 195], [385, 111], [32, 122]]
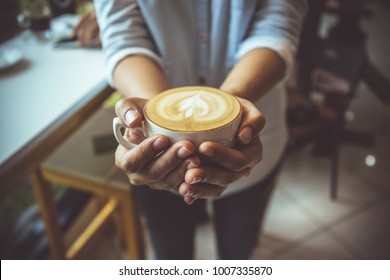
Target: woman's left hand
[[226, 165]]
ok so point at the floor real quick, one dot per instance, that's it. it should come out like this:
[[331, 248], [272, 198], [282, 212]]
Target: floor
[[302, 222]]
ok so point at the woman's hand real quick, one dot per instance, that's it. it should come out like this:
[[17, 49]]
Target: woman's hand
[[154, 162], [157, 164], [226, 165], [162, 166]]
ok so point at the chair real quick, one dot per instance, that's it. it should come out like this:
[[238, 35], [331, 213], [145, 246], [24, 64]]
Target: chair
[[333, 70], [85, 162]]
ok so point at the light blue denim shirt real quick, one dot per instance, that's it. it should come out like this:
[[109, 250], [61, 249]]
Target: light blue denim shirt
[[197, 42]]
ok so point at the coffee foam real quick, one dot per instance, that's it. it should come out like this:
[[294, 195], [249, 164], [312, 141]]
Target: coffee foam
[[193, 109]]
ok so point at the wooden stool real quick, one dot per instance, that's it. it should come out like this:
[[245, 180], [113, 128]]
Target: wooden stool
[[76, 165]]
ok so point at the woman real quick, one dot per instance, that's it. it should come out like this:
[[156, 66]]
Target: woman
[[245, 48]]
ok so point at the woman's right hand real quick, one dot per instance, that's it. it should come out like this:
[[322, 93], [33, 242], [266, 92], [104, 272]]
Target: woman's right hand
[[154, 162]]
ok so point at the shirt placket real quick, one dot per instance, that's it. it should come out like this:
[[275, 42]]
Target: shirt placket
[[202, 39]]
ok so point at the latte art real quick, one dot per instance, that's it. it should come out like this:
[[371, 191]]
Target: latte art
[[193, 109], [192, 105]]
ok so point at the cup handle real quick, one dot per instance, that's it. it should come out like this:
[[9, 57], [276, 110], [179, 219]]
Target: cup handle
[[117, 125]]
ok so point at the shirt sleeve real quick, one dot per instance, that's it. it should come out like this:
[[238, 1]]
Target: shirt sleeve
[[123, 32], [276, 25]]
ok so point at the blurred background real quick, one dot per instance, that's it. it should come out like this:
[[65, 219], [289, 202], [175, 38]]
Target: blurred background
[[332, 198]]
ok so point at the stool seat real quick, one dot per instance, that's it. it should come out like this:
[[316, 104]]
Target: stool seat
[[84, 163]]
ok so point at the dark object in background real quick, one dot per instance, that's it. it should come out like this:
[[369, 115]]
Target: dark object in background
[[35, 16], [348, 30], [334, 66], [302, 114], [35, 22], [9, 10], [104, 143], [66, 43], [61, 7]]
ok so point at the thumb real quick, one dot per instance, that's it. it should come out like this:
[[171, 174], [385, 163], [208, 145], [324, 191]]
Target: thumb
[[130, 110], [252, 122]]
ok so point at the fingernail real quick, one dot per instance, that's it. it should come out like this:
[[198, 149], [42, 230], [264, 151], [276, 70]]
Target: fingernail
[[207, 150], [191, 200], [183, 152], [196, 179], [190, 193], [246, 135], [192, 165], [160, 143], [130, 116]]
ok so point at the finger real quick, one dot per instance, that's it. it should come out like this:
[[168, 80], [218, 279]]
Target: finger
[[189, 200], [201, 190], [176, 176], [130, 110], [252, 122], [214, 175], [234, 159], [135, 159], [135, 135], [157, 169]]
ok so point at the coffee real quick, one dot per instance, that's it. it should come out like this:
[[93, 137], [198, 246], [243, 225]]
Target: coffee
[[193, 109]]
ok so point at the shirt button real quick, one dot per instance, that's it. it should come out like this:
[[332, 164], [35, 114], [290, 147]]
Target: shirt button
[[202, 37], [202, 80]]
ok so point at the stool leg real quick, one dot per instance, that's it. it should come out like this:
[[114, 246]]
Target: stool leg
[[109, 227], [132, 226], [334, 171], [94, 226], [49, 213]]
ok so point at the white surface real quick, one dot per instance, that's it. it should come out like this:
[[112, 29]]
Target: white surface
[[9, 57], [50, 83]]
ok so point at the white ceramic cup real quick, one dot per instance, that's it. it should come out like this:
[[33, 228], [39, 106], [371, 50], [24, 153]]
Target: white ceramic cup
[[225, 134]]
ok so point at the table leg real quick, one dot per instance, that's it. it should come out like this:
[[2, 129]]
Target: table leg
[[132, 226], [49, 213]]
